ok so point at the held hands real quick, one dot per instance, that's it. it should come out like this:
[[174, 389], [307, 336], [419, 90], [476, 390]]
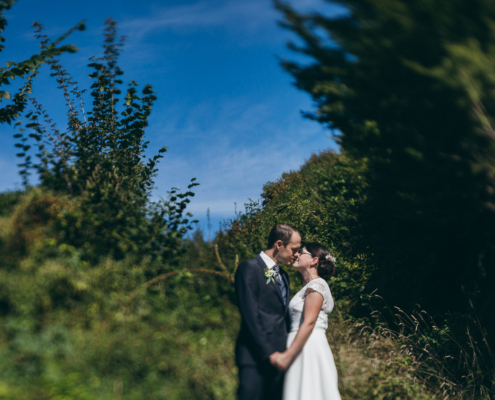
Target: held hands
[[281, 361]]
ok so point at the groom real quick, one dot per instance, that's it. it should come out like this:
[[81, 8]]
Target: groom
[[263, 304]]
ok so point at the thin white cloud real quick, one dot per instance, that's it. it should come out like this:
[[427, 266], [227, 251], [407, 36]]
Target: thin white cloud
[[247, 16], [243, 21], [204, 14]]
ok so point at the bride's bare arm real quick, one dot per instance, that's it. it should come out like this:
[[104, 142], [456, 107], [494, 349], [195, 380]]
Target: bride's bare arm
[[312, 307]]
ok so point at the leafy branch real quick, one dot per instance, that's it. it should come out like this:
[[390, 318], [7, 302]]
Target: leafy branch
[[27, 69]]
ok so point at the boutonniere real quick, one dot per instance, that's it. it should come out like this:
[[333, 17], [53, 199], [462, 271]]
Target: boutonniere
[[269, 275]]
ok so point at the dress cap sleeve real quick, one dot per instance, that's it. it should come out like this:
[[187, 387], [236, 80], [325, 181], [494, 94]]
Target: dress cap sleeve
[[315, 286], [320, 286]]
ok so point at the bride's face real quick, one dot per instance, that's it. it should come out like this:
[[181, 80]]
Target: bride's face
[[305, 260]]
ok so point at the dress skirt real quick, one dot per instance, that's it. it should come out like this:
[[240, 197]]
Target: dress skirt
[[312, 375]]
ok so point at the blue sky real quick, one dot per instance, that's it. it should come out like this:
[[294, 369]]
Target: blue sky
[[227, 111]]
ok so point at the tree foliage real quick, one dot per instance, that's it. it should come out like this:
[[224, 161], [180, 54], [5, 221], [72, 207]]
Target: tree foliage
[[408, 86]]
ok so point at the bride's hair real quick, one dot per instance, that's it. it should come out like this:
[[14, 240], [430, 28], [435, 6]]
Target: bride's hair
[[326, 262]]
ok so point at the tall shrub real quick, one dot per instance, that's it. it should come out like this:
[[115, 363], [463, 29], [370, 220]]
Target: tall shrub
[[100, 159]]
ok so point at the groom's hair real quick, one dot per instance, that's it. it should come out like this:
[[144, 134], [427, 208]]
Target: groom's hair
[[281, 232]]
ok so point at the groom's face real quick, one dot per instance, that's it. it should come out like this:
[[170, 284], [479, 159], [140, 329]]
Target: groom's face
[[288, 253]]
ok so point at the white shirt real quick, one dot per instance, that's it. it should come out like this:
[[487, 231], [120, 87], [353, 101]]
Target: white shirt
[[268, 261]]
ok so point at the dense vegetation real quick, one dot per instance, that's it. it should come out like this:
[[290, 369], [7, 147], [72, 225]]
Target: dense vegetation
[[104, 295]]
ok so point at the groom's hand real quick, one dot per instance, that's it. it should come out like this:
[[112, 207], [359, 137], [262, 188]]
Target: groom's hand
[[273, 358]]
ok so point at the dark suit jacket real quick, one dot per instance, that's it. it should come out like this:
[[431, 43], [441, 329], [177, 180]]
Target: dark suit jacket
[[265, 319]]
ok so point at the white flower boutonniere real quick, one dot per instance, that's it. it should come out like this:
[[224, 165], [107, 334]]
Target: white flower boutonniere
[[269, 275]]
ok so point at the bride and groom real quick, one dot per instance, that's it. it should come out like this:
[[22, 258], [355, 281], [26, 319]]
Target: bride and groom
[[282, 351]]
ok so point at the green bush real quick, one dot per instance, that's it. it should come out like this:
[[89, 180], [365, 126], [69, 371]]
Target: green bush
[[8, 200], [79, 331]]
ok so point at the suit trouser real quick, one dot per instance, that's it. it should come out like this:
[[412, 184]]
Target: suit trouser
[[260, 382]]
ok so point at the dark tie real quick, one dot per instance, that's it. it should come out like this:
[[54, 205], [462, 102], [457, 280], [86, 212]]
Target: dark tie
[[280, 282]]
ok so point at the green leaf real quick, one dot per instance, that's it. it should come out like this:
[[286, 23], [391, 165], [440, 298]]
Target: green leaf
[[147, 90], [38, 59], [70, 48]]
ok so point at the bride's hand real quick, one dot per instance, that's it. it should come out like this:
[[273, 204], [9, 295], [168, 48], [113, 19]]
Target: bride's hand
[[280, 360], [274, 357]]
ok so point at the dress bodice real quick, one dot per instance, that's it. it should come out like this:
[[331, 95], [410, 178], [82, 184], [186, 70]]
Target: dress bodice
[[296, 305]]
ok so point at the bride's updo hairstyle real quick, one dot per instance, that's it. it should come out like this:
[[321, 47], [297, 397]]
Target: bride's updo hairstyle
[[326, 263]]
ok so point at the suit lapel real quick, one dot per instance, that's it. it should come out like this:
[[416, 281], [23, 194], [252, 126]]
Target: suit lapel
[[263, 266]]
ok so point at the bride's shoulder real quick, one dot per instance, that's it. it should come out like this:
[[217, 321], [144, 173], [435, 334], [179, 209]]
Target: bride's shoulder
[[323, 282]]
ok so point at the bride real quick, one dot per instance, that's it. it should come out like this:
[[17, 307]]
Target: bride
[[311, 372]]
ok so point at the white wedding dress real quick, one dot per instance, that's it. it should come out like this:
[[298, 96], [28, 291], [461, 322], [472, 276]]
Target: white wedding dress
[[312, 375]]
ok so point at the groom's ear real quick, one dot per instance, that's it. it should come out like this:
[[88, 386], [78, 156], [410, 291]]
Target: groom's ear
[[279, 244]]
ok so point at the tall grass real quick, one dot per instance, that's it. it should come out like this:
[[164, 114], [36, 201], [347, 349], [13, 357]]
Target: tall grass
[[413, 357]]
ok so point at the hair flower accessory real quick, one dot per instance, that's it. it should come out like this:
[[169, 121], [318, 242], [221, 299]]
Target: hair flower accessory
[[330, 258]]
